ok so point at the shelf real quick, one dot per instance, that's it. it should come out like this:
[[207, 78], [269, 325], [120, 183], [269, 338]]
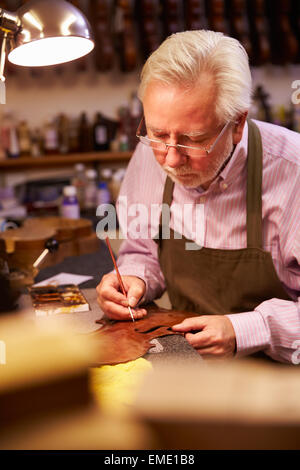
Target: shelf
[[48, 161]]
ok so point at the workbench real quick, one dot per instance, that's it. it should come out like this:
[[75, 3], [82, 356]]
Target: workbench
[[186, 403], [169, 348]]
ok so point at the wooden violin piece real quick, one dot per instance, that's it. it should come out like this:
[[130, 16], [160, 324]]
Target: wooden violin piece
[[150, 34], [195, 14], [295, 23], [284, 41], [172, 12], [103, 54], [239, 24], [125, 35], [22, 246], [259, 32], [124, 341], [216, 16], [82, 63]]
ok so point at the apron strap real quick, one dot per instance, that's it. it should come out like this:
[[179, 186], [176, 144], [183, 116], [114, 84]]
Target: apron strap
[[168, 191], [254, 187], [167, 199]]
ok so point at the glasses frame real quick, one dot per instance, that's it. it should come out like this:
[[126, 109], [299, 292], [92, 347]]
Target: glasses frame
[[179, 147]]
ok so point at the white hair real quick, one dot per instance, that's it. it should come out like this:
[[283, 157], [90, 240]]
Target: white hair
[[183, 57]]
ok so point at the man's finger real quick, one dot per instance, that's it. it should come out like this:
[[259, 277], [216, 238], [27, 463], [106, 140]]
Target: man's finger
[[110, 293], [117, 312], [134, 294], [198, 340], [193, 323]]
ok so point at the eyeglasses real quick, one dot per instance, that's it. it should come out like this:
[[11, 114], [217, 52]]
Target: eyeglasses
[[188, 150]]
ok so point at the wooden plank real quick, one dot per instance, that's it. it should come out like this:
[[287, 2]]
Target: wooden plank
[[63, 160]]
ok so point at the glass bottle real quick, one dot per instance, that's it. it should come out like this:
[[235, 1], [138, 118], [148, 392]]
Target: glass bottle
[[36, 144], [84, 134], [100, 134], [70, 206], [63, 134], [24, 139], [74, 136], [50, 139], [90, 199], [79, 182]]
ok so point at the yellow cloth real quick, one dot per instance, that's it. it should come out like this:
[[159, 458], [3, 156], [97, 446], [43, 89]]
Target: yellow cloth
[[115, 387]]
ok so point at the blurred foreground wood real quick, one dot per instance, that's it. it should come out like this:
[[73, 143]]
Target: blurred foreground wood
[[240, 404], [46, 401]]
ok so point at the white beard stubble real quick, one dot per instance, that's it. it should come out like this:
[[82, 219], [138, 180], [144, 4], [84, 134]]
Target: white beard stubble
[[202, 177]]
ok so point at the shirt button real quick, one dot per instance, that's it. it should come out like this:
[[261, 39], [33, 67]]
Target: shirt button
[[224, 186], [202, 200]]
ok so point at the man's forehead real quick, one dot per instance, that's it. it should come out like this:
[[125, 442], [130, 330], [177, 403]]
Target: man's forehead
[[176, 109]]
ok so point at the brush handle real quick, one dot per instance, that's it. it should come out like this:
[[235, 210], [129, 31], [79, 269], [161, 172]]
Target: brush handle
[[115, 265]]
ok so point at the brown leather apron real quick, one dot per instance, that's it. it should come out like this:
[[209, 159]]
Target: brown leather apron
[[218, 282]]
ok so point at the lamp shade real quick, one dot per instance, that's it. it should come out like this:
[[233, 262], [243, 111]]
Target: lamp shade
[[52, 32]]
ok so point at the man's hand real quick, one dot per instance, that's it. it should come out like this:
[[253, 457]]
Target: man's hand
[[210, 335], [114, 303]]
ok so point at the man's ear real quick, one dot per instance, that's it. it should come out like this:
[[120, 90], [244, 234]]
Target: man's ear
[[239, 128]]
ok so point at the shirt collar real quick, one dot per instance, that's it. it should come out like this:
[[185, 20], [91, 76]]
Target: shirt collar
[[238, 159]]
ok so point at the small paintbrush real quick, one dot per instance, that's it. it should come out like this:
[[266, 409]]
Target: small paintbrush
[[118, 274]]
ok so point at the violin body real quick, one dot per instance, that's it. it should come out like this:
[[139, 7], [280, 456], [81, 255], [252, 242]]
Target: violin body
[[239, 25], [195, 15], [125, 35], [82, 63], [149, 26], [123, 341], [21, 247], [101, 24], [259, 32], [284, 42], [217, 16], [172, 13]]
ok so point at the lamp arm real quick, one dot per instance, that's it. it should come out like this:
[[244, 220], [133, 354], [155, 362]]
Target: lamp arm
[[3, 56], [9, 22]]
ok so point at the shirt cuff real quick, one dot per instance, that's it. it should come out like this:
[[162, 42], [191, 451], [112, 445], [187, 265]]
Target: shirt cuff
[[251, 331]]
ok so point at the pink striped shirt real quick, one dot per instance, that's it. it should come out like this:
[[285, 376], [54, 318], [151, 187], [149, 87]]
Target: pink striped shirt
[[274, 325]]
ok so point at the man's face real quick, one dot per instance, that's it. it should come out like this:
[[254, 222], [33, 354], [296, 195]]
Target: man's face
[[180, 116]]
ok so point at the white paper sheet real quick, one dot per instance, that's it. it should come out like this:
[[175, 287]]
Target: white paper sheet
[[64, 278]]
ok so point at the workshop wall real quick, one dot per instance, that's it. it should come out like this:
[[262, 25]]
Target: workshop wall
[[39, 100]]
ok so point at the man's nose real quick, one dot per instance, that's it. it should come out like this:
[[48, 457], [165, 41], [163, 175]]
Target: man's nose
[[174, 158]]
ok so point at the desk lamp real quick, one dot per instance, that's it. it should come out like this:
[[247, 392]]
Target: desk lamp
[[43, 33]]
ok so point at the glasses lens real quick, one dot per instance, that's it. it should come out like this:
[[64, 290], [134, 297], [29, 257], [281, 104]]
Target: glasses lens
[[184, 150], [160, 146], [192, 152]]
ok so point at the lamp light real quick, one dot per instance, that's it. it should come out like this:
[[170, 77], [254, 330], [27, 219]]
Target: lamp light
[[43, 33]]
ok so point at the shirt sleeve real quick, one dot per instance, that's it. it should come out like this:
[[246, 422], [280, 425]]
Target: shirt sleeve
[[139, 258], [274, 325], [138, 254]]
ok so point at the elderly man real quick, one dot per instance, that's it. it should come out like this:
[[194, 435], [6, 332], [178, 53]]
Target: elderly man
[[198, 150]]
